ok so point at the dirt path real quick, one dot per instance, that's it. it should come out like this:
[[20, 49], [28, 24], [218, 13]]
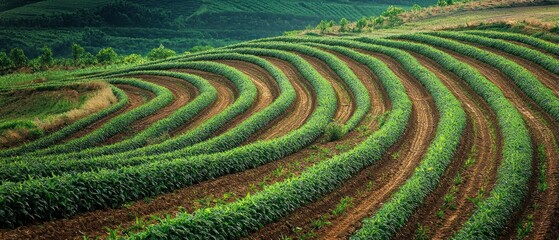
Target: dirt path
[[226, 95], [183, 92], [136, 97], [298, 113], [546, 77], [544, 132], [483, 151], [346, 101], [386, 175], [238, 184]]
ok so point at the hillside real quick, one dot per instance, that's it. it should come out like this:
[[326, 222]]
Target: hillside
[[440, 128], [135, 26]]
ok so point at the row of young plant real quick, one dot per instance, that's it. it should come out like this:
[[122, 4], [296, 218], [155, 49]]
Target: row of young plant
[[515, 170], [237, 219], [67, 195], [452, 122], [523, 78], [356, 88], [535, 56], [22, 170], [119, 123], [70, 129], [240, 133], [529, 40], [247, 95], [206, 96]]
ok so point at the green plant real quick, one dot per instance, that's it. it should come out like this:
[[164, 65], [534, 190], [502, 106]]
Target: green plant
[[345, 203]]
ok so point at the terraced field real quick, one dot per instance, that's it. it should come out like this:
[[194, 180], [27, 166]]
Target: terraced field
[[434, 135]]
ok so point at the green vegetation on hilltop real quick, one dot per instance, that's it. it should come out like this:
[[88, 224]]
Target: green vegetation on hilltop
[[135, 26]]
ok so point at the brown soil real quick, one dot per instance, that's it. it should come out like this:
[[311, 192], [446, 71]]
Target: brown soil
[[480, 145], [183, 92], [544, 132], [546, 77], [346, 101], [297, 114], [136, 97], [226, 95], [410, 149]]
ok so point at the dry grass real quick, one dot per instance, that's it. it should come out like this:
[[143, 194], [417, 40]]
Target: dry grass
[[461, 7], [100, 96]]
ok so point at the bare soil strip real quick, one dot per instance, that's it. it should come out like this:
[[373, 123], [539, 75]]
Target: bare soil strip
[[346, 101], [183, 92], [226, 95], [298, 113], [483, 152], [136, 97], [239, 184], [544, 132], [373, 185]]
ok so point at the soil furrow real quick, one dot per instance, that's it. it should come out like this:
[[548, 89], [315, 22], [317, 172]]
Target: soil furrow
[[544, 132], [226, 95], [136, 97], [475, 163], [374, 184], [183, 92], [298, 113], [346, 101]]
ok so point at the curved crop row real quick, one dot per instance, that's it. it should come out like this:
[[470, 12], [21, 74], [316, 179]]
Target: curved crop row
[[116, 125], [535, 56], [237, 219], [525, 80], [360, 93], [452, 122], [515, 170], [532, 41], [228, 140], [247, 95], [67, 195], [70, 129]]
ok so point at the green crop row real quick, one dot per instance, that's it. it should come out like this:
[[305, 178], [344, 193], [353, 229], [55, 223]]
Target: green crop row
[[524, 79], [451, 124], [27, 167], [21, 170], [529, 40], [67, 195], [247, 95], [182, 115], [515, 170], [70, 129], [237, 219], [356, 87], [117, 124], [535, 56]]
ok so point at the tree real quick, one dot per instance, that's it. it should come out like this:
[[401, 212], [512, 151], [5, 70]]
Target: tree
[[443, 3], [322, 26], [416, 8], [160, 53], [107, 56], [77, 53], [361, 23], [201, 48], [18, 57], [393, 11], [133, 58], [343, 24], [46, 60], [5, 61]]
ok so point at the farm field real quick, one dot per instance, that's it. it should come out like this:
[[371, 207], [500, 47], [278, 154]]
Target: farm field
[[446, 134]]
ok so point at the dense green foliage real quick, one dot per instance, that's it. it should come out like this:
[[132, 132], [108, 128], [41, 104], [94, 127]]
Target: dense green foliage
[[136, 26], [248, 214], [515, 170]]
